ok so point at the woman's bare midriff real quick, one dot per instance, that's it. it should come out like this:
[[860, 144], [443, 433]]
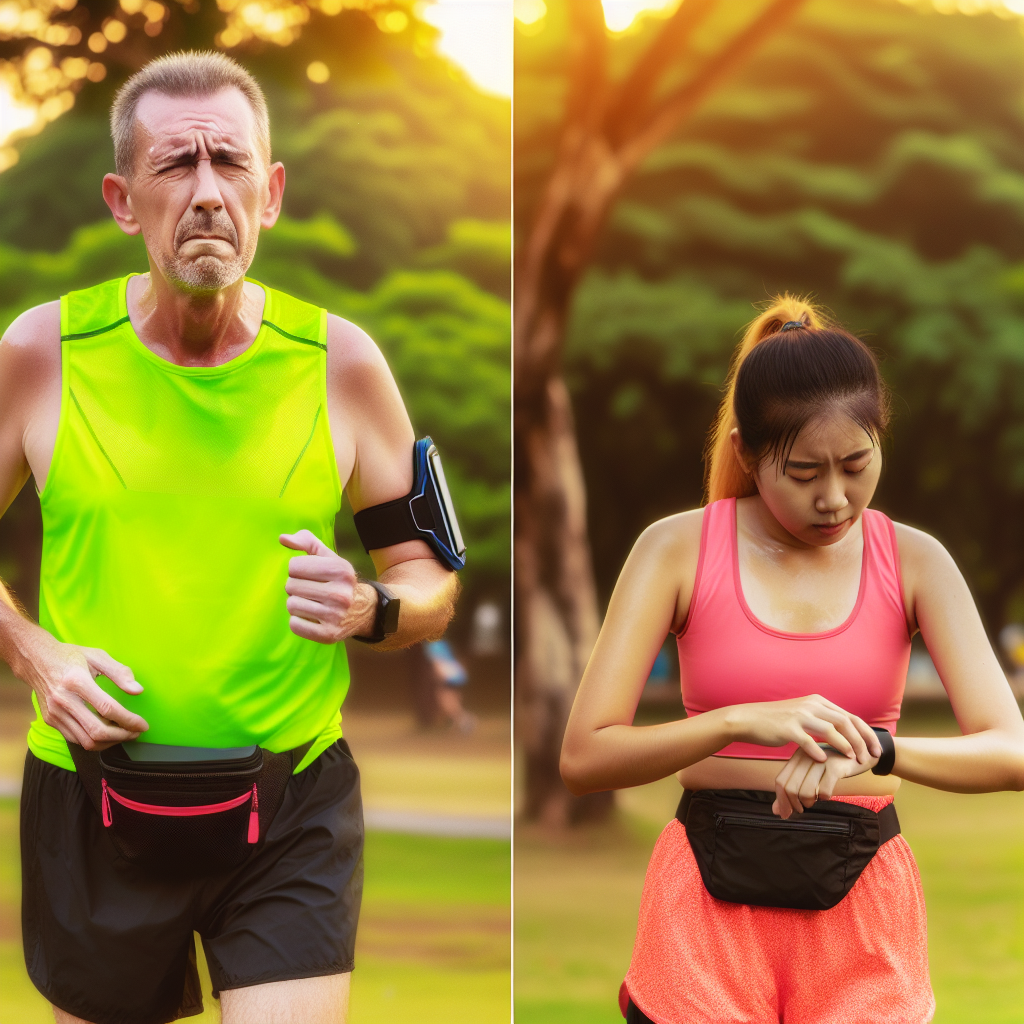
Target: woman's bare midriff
[[749, 773]]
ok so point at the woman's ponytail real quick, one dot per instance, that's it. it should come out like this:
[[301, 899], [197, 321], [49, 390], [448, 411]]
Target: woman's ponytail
[[724, 477]]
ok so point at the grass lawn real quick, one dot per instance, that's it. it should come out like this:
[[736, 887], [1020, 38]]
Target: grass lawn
[[433, 941], [577, 896]]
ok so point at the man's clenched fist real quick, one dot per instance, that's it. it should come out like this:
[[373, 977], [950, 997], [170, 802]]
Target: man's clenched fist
[[325, 603]]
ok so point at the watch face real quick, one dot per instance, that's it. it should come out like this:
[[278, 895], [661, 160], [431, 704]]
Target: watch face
[[391, 608]]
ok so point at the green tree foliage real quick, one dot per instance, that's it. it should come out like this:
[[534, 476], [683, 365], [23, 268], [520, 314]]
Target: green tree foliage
[[871, 155], [396, 211], [397, 163]]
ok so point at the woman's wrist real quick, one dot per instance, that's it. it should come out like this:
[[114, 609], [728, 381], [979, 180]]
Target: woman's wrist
[[887, 760], [729, 723]]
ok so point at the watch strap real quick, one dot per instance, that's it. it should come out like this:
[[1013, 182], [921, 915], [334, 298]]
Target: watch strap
[[385, 615], [888, 759]]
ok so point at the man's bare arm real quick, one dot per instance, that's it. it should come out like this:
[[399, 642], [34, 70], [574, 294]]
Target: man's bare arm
[[62, 675], [373, 440]]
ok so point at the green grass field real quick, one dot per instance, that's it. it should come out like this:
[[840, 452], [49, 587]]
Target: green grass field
[[433, 940], [576, 899]]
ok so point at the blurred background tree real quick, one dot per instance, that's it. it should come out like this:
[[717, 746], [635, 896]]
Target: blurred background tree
[[396, 210], [867, 152]]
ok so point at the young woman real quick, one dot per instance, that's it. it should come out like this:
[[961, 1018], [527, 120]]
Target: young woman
[[794, 605]]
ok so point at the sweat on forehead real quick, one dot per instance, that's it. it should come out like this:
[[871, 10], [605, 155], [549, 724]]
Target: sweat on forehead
[[198, 76]]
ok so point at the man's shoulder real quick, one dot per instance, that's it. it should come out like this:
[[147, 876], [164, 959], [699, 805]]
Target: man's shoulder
[[29, 370], [353, 359], [33, 338]]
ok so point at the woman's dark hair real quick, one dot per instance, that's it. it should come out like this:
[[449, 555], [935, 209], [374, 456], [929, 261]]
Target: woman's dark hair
[[793, 376], [791, 366]]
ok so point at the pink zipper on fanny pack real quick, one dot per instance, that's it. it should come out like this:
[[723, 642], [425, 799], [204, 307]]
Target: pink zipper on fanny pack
[[186, 812]]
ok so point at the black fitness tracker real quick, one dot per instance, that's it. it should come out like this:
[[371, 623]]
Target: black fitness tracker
[[385, 620], [888, 758]]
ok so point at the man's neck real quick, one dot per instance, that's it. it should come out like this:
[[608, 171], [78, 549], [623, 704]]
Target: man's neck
[[194, 329]]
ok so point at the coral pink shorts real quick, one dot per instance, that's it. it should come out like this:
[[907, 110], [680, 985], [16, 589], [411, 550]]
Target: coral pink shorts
[[698, 960]]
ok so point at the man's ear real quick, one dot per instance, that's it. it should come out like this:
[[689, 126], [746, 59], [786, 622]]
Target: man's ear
[[742, 456], [275, 194], [115, 195]]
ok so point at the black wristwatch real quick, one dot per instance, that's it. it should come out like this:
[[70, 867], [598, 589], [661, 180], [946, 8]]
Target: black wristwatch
[[385, 621], [888, 759]]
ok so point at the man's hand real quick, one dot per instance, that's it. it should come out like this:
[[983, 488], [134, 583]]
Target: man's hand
[[63, 677], [325, 602], [803, 780]]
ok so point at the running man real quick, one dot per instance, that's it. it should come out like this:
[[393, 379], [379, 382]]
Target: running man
[[189, 433]]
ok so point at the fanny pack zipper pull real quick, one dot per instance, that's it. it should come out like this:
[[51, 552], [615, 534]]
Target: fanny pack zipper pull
[[254, 817], [107, 820]]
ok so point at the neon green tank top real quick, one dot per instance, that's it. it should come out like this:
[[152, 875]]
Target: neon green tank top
[[168, 489]]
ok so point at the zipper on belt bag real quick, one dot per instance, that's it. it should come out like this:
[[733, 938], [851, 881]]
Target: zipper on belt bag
[[753, 821], [185, 812]]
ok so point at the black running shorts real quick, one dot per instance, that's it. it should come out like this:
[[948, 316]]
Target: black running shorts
[[109, 942]]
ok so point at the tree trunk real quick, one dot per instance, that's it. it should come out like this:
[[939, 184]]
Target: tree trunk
[[606, 134], [556, 603], [557, 617]]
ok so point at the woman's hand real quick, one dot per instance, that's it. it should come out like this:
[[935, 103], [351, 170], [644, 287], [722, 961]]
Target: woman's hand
[[804, 780], [804, 721]]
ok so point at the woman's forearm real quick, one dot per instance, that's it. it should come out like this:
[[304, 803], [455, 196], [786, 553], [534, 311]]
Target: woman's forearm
[[982, 762], [620, 756]]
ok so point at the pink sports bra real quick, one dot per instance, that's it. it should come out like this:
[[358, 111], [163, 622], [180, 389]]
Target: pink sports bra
[[727, 656]]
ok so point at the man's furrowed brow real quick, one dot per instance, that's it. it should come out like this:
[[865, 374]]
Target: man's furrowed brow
[[175, 153], [225, 151], [188, 152]]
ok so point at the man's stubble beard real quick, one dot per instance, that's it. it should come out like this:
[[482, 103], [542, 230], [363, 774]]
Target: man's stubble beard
[[207, 273]]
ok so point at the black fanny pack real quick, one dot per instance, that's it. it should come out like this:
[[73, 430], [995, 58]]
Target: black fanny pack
[[809, 861], [185, 817]]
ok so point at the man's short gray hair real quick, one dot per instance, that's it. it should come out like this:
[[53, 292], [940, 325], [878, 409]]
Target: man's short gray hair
[[192, 73]]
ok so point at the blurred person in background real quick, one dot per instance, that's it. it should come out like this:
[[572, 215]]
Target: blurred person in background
[[783, 890], [190, 433], [488, 635], [439, 680]]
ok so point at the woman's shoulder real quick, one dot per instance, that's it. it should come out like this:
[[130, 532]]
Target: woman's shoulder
[[672, 536], [919, 551]]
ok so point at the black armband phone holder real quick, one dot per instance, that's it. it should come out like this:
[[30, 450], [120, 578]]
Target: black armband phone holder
[[425, 513]]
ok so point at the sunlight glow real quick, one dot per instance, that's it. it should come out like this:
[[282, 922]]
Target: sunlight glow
[[620, 14], [476, 35], [530, 11]]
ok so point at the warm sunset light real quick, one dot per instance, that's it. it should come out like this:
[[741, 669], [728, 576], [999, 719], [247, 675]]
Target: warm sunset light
[[39, 86], [619, 15], [474, 34], [477, 35]]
